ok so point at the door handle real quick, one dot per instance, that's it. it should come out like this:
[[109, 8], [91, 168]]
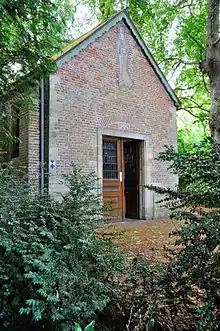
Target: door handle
[[121, 177]]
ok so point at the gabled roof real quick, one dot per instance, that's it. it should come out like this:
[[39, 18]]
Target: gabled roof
[[75, 47]]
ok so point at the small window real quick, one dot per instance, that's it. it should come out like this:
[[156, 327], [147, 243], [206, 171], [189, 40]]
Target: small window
[[110, 160]]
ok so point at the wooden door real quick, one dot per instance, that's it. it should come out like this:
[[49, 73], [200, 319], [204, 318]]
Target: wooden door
[[113, 187]]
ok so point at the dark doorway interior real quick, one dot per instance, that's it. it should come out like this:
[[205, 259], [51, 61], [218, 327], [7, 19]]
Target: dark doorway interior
[[131, 181]]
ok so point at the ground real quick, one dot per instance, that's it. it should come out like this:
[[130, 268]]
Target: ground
[[146, 237]]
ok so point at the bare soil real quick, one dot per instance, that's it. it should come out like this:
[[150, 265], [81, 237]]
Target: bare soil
[[149, 238]]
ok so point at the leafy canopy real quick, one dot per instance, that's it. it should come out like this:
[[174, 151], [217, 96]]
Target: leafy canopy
[[30, 32]]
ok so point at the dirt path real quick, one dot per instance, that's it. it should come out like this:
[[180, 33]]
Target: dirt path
[[145, 237]]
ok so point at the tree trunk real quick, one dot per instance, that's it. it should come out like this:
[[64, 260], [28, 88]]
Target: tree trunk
[[211, 65]]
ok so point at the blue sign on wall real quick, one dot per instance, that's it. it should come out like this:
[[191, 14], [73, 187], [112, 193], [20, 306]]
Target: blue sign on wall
[[52, 164]]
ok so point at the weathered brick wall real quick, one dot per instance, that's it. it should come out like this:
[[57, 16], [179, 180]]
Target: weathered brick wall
[[23, 136], [34, 144], [21, 160], [85, 95], [29, 140]]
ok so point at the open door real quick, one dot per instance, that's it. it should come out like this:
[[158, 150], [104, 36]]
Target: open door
[[131, 179], [112, 178], [121, 178]]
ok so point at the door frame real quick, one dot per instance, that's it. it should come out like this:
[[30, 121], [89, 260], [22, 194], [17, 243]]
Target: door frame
[[146, 200]]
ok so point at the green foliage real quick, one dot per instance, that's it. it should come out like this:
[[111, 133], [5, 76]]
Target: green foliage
[[199, 172], [30, 32], [193, 270], [189, 137], [54, 267], [89, 327]]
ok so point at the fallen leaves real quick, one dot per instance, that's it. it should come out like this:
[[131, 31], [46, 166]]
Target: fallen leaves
[[149, 238]]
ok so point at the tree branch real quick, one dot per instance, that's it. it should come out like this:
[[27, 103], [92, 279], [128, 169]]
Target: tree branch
[[195, 41], [217, 41], [183, 4], [187, 88], [181, 61], [197, 104], [204, 82], [175, 67], [188, 111]]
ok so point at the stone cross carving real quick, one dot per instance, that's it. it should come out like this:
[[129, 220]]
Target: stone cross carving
[[122, 50]]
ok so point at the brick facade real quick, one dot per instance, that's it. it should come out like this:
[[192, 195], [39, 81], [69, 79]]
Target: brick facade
[[110, 86], [86, 96]]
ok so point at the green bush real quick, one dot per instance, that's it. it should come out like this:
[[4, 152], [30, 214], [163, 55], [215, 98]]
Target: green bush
[[53, 267], [133, 304], [193, 276], [89, 327]]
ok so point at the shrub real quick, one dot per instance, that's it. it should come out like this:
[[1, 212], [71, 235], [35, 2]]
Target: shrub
[[53, 268], [193, 274], [133, 304], [89, 327]]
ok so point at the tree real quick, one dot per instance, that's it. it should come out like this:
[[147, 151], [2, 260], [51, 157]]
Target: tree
[[30, 32], [183, 36], [211, 65]]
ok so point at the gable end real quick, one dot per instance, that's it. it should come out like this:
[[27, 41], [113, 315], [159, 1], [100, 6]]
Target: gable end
[[102, 28]]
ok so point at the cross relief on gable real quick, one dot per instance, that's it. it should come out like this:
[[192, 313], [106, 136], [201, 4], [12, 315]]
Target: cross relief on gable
[[122, 51]]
